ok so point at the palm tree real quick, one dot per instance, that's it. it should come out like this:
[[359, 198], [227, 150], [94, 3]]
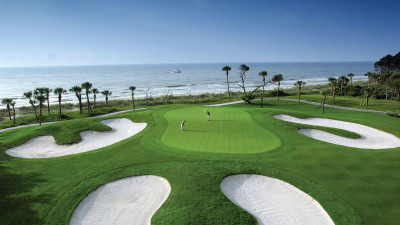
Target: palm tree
[[7, 101], [39, 96], [28, 95], [324, 93], [343, 81], [13, 106], [47, 93], [299, 83], [277, 78], [351, 78], [95, 92], [133, 88], [87, 86], [263, 74], [227, 69], [369, 74], [332, 83], [106, 93], [78, 93], [367, 94], [59, 92]]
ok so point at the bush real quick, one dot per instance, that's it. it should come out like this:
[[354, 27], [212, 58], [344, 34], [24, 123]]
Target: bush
[[354, 91], [274, 93]]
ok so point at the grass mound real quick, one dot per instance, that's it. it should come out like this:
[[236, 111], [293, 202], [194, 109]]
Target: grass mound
[[228, 131]]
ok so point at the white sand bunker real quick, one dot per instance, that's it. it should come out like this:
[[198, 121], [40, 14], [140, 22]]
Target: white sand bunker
[[273, 201], [46, 147], [131, 200], [370, 138]]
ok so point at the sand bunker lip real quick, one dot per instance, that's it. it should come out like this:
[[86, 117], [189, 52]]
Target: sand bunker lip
[[370, 138], [273, 201], [46, 147], [131, 200]]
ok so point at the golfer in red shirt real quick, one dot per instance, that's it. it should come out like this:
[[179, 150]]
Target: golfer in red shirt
[[182, 124]]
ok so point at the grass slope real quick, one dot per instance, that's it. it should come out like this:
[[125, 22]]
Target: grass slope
[[355, 186], [228, 131]]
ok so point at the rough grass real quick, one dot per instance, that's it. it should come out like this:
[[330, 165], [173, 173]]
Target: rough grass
[[354, 186]]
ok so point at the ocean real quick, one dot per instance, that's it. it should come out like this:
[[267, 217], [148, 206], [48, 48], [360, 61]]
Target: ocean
[[195, 78]]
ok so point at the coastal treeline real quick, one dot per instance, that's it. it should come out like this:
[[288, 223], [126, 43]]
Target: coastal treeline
[[384, 83]]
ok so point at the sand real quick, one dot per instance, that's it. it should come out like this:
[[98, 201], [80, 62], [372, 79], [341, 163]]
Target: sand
[[131, 200], [370, 138], [45, 146], [227, 103], [273, 202]]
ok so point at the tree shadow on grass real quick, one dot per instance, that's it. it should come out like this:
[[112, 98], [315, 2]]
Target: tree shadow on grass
[[219, 120], [196, 130], [15, 202]]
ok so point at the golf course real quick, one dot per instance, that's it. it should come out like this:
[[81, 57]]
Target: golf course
[[285, 163]]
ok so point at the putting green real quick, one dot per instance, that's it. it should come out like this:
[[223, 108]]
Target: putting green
[[229, 131]]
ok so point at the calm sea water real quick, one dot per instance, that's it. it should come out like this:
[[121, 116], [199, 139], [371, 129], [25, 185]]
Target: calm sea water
[[194, 78]]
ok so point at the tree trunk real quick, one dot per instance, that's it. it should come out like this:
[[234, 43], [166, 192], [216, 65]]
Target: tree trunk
[[133, 102], [14, 113], [9, 111], [279, 84], [262, 96], [299, 93], [334, 95], [106, 100], [88, 102], [323, 105], [34, 108], [59, 103], [229, 95], [40, 113], [341, 89], [48, 104], [94, 101], [80, 104]]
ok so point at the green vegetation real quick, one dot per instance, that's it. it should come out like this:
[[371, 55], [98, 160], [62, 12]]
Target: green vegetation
[[230, 131], [355, 186]]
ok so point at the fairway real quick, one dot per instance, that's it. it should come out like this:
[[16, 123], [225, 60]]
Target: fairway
[[229, 131]]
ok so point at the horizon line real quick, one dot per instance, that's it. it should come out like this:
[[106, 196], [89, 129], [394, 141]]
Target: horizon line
[[175, 63]]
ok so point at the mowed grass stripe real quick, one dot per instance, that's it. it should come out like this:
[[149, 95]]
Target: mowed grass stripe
[[229, 131]]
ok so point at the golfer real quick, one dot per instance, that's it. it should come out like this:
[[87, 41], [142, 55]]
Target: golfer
[[182, 124], [208, 115]]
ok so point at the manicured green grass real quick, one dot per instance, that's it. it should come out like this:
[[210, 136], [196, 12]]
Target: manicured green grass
[[354, 186], [228, 131]]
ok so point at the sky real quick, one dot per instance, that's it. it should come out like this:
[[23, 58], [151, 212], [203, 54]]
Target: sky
[[98, 32]]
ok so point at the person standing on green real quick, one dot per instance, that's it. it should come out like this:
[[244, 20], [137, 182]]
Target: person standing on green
[[208, 115], [182, 125]]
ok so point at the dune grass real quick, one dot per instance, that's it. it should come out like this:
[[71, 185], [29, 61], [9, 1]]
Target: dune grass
[[354, 186]]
